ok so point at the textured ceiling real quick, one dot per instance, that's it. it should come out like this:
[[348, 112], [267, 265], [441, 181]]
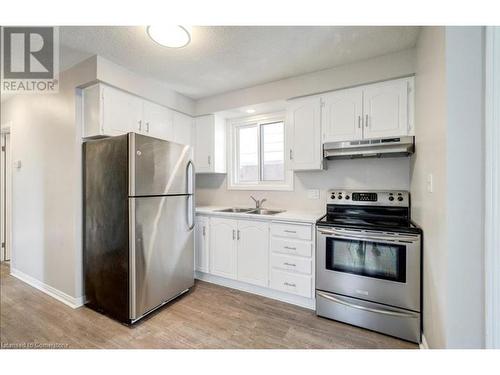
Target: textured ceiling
[[225, 58]]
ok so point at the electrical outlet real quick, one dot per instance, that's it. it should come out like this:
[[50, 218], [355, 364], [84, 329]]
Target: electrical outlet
[[313, 193], [430, 183]]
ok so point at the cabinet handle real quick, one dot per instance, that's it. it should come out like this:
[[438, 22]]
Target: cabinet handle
[[290, 248], [238, 235], [366, 123], [359, 122], [147, 127], [234, 234], [291, 154], [290, 231], [209, 159], [204, 232], [140, 125], [289, 284], [290, 264]]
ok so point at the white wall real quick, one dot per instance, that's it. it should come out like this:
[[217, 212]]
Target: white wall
[[465, 197], [387, 173], [380, 68], [46, 190], [449, 143], [429, 210]]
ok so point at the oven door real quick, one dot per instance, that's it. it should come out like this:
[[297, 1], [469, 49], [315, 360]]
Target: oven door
[[374, 266]]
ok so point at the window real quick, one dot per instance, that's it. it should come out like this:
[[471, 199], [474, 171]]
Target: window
[[258, 154]]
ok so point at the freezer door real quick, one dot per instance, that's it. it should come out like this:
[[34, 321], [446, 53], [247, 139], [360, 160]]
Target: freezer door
[[161, 250], [159, 167]]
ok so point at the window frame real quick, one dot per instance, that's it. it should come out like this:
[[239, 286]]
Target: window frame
[[233, 153]]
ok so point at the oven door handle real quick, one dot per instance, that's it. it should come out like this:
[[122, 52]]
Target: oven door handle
[[367, 236], [377, 311]]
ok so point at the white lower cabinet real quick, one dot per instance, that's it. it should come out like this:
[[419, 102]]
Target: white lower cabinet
[[292, 262], [253, 252], [276, 256], [239, 249], [202, 244], [223, 247], [291, 283]]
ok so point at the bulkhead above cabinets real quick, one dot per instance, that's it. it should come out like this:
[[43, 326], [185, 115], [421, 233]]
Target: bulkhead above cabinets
[[375, 111]]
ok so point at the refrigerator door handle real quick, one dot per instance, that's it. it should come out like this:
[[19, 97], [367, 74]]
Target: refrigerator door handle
[[190, 189]]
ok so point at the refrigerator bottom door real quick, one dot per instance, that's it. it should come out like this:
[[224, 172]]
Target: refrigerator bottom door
[[161, 251]]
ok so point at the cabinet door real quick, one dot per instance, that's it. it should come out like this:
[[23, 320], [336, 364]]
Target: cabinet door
[[183, 129], [204, 145], [157, 121], [385, 107], [341, 115], [201, 243], [223, 247], [304, 127], [253, 252], [121, 112]]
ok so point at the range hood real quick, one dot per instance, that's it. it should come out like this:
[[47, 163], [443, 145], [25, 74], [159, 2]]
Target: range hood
[[383, 147]]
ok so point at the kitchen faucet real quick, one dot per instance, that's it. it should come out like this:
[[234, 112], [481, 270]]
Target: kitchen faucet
[[258, 203]]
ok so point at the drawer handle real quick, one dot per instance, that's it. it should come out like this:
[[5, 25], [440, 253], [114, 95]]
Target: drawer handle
[[290, 264], [290, 231], [289, 284], [290, 248]]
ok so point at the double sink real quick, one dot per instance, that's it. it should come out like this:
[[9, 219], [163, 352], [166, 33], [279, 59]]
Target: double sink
[[253, 211]]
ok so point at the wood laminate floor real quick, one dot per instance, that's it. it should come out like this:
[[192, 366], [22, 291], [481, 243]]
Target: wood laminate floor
[[210, 316]]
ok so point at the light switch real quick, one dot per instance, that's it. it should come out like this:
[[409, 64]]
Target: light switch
[[313, 193], [430, 183]]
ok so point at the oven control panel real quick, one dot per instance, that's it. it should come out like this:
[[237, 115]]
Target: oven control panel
[[398, 198]]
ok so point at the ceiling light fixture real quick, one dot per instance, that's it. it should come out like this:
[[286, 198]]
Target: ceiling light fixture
[[250, 110], [173, 36]]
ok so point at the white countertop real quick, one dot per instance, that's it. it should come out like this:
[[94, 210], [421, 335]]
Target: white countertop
[[288, 215]]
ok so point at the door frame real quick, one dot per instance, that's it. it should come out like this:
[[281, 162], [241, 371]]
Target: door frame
[[492, 187], [7, 223]]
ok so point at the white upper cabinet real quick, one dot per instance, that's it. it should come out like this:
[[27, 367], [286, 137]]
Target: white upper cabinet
[[379, 110], [304, 134], [108, 111], [157, 121], [385, 107], [342, 115], [210, 144], [183, 129], [120, 112], [253, 252]]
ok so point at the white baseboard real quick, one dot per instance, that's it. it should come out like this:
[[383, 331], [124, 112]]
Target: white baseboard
[[47, 289], [308, 303], [423, 344]]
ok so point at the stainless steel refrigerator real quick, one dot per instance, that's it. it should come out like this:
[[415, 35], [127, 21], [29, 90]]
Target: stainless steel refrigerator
[[138, 218]]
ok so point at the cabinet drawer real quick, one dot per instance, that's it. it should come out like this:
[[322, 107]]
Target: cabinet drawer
[[284, 246], [291, 283], [301, 231], [291, 263]]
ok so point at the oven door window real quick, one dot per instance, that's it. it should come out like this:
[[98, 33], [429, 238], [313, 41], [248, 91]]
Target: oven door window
[[365, 258]]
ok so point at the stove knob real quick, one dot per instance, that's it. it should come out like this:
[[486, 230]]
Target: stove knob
[[391, 198], [340, 196], [347, 197], [332, 196], [400, 199]]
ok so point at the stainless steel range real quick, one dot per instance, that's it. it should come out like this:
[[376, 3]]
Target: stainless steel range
[[368, 262]]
